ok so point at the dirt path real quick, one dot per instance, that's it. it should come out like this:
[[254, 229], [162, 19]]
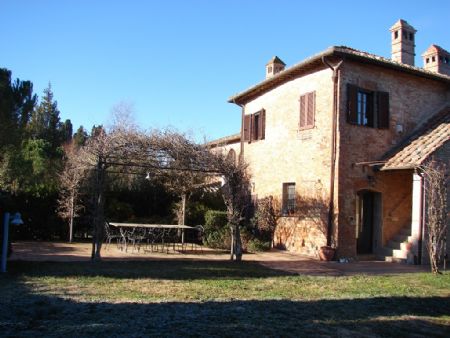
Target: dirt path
[[276, 259]]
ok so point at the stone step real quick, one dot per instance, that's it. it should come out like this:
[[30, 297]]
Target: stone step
[[391, 259], [402, 238], [398, 245], [399, 254]]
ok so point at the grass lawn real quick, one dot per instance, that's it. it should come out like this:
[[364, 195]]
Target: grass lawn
[[182, 299]]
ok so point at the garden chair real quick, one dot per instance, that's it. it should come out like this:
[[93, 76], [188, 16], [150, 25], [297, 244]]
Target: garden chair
[[111, 233]]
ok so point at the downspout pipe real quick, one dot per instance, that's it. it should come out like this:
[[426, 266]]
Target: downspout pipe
[[241, 155], [335, 111]]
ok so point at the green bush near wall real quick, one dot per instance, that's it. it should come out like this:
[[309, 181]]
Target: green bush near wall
[[217, 232]]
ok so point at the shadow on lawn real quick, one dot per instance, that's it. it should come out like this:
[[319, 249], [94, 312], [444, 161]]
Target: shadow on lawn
[[32, 314], [161, 269]]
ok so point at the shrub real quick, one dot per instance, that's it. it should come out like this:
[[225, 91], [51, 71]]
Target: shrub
[[217, 233], [255, 245]]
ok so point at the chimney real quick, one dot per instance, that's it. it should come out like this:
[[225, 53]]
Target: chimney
[[436, 59], [403, 42], [274, 66]]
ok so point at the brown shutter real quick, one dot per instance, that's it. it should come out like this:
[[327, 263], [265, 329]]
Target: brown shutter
[[383, 110], [262, 127], [352, 104], [302, 111], [370, 110], [285, 198], [252, 128], [246, 127], [311, 107]]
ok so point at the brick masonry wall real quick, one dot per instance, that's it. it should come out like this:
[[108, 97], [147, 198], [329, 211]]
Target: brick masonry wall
[[289, 155], [412, 100]]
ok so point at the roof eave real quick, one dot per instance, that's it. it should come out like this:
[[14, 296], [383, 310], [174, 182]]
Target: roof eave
[[341, 52]]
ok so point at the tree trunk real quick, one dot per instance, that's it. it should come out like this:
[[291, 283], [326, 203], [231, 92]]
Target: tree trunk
[[99, 216], [71, 219], [236, 243]]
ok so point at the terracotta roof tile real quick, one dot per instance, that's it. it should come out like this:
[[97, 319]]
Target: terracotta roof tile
[[421, 144]]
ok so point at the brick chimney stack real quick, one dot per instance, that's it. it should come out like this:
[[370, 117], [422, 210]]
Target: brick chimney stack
[[436, 59], [274, 66], [403, 42]]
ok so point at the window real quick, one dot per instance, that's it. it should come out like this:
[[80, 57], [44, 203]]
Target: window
[[254, 126], [367, 108], [288, 199], [396, 35], [231, 156], [307, 110]]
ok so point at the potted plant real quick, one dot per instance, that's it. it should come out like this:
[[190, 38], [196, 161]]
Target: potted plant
[[326, 253]]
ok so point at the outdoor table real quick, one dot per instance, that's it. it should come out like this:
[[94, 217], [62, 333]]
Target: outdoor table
[[155, 226]]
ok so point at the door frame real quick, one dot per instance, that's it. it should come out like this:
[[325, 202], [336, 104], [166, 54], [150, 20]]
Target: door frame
[[376, 242]]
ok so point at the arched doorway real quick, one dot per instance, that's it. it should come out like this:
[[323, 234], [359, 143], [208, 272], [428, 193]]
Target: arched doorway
[[369, 225]]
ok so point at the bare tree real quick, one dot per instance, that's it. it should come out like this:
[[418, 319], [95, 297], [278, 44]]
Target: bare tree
[[70, 179], [436, 180], [181, 164]]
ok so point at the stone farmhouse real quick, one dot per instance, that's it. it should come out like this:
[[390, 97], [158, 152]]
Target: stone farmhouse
[[337, 141]]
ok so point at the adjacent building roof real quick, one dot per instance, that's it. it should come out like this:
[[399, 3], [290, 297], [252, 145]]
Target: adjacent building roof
[[224, 141], [315, 62], [421, 144]]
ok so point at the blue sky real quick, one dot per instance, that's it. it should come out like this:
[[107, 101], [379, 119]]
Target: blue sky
[[179, 61]]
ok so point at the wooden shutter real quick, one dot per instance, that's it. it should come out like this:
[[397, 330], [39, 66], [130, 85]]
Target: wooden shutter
[[262, 127], [285, 198], [352, 104], [247, 129], [307, 110], [383, 110], [370, 110], [302, 123], [311, 105], [252, 128]]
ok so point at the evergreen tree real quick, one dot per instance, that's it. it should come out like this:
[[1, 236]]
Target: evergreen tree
[[45, 121], [16, 104], [66, 131], [80, 137]]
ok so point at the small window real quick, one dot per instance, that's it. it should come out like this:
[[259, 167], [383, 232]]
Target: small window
[[405, 35], [433, 59], [427, 60], [446, 60], [411, 36], [269, 69], [289, 205], [396, 35], [231, 156]]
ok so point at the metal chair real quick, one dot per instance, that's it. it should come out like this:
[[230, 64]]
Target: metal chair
[[111, 233]]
